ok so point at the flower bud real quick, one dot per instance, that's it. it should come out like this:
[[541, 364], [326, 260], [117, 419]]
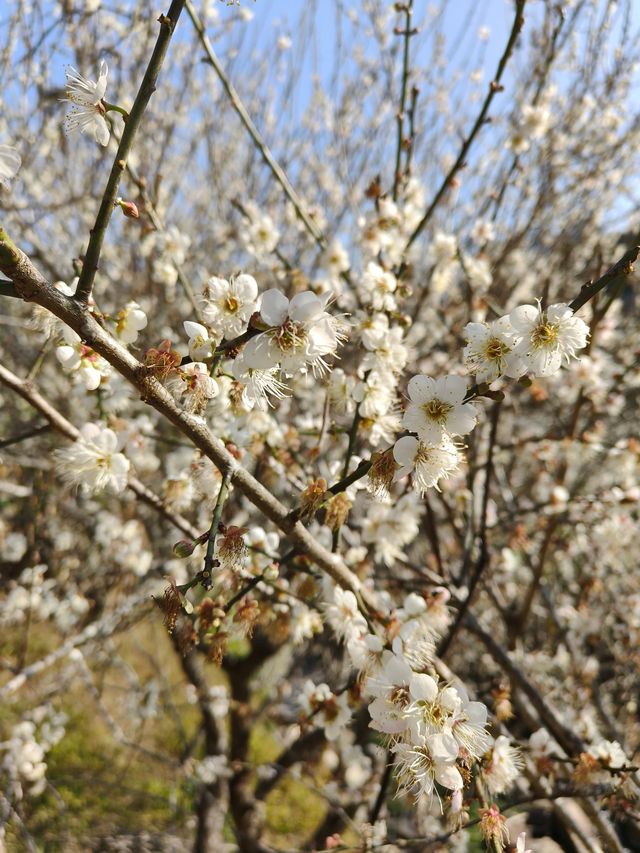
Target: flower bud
[[184, 548], [129, 209]]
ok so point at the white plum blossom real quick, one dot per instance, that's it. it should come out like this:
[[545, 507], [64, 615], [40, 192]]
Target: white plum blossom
[[260, 235], [227, 306], [193, 386], [428, 463], [301, 333], [342, 613], [421, 765], [201, 344], [378, 288], [483, 232], [129, 322], [10, 162], [329, 711], [93, 460], [336, 258], [438, 408], [88, 112], [489, 351], [259, 384], [79, 359], [503, 766], [545, 338]]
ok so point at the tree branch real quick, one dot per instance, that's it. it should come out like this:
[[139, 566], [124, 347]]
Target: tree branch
[[494, 87], [32, 285], [147, 88]]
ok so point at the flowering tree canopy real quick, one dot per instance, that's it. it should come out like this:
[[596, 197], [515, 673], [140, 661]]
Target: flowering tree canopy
[[318, 469]]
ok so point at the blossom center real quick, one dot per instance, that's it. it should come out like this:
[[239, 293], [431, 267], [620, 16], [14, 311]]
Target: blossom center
[[232, 304], [436, 410], [400, 695], [545, 334], [290, 336], [495, 349]]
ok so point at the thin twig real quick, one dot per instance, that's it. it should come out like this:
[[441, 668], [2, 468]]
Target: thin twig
[[494, 87], [276, 170], [147, 88]]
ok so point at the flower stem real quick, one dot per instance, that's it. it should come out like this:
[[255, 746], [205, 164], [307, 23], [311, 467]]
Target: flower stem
[[115, 108], [213, 531]]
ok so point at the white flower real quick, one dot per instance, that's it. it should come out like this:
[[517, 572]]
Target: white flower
[[193, 386], [93, 461], [228, 306], [10, 162], [259, 384], [78, 358], [546, 337], [420, 766], [343, 615], [391, 687], [336, 258], [483, 232], [489, 351], [427, 462], [261, 235], [329, 711], [443, 249], [503, 767], [88, 112], [378, 287], [129, 322], [301, 333], [201, 345], [438, 408]]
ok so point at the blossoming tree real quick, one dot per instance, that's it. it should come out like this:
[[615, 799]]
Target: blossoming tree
[[318, 472]]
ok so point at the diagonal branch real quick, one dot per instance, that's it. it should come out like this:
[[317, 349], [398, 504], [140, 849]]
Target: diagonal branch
[[33, 286], [26, 390], [276, 169], [147, 88], [494, 87]]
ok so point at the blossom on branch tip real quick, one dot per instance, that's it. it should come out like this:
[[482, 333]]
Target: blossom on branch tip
[[547, 337], [88, 112]]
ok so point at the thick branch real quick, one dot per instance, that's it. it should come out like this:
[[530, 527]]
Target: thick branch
[[32, 285]]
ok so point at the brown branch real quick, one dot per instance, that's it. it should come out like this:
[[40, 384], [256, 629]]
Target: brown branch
[[66, 428], [32, 285], [494, 87], [147, 88]]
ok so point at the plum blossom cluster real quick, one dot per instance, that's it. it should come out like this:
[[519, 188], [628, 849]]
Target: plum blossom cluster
[[529, 340], [278, 337], [438, 736]]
